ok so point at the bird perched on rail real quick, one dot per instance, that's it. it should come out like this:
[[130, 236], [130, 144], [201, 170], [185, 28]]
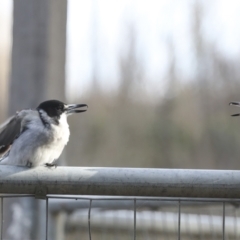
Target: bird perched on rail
[[37, 137], [235, 104]]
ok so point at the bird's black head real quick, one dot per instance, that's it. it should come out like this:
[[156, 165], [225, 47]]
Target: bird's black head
[[53, 108]]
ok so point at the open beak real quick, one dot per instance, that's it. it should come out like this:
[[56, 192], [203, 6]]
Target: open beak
[[76, 108], [235, 104]]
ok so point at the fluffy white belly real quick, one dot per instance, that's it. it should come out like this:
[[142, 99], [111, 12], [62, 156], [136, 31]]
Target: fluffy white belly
[[47, 154], [39, 145]]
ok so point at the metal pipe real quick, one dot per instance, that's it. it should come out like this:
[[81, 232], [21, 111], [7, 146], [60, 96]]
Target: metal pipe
[[46, 237], [134, 218], [179, 220], [194, 224], [70, 205], [89, 219], [120, 182], [1, 218]]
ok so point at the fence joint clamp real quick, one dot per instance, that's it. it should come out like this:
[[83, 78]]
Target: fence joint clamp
[[41, 192]]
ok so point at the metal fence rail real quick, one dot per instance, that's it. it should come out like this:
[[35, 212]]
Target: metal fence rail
[[120, 182], [126, 191]]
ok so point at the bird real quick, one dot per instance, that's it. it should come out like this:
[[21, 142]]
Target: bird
[[235, 104], [37, 137]]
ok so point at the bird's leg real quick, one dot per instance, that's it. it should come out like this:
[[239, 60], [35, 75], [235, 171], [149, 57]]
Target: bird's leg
[[29, 164]]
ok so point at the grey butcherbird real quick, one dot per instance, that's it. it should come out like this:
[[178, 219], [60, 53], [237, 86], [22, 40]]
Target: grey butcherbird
[[235, 104], [37, 137]]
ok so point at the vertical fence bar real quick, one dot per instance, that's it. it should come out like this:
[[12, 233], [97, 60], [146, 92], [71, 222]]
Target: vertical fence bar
[[89, 219], [179, 220], [1, 209], [134, 219], [223, 223], [46, 218], [235, 223]]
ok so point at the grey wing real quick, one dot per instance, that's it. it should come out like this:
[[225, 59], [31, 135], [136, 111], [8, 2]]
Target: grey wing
[[8, 132]]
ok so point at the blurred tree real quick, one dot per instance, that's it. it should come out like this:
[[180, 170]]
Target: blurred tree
[[131, 69], [4, 64], [38, 52], [187, 127], [94, 49], [37, 74]]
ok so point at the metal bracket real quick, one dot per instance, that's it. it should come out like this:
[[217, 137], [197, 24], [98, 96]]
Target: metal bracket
[[41, 192]]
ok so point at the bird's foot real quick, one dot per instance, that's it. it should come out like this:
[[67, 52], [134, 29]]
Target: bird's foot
[[49, 165]]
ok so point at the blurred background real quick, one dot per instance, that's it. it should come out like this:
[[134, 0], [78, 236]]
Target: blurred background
[[157, 76]]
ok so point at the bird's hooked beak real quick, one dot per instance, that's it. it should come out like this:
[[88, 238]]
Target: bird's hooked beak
[[235, 104], [74, 108]]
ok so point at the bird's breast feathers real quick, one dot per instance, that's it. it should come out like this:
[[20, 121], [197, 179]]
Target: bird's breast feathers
[[61, 131]]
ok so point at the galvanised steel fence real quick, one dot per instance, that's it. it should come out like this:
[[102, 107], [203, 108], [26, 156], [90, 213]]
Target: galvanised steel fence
[[129, 203]]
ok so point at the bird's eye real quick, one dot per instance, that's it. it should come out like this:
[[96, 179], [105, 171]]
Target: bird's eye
[[60, 108]]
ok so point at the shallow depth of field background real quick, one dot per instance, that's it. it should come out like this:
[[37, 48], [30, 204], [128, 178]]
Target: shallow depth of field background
[[157, 76]]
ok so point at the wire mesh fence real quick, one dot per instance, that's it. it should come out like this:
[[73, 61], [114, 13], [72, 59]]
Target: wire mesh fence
[[83, 216], [142, 218], [98, 217]]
